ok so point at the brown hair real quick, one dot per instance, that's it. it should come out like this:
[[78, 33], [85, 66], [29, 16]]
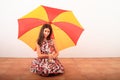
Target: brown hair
[[41, 35]]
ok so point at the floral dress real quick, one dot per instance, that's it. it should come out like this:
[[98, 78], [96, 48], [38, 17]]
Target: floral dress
[[45, 66]]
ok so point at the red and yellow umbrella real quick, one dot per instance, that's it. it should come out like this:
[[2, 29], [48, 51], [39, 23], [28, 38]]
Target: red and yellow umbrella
[[66, 28]]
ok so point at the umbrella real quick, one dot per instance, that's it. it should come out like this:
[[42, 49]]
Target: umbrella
[[66, 28]]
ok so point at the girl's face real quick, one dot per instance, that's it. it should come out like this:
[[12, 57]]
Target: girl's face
[[46, 32]]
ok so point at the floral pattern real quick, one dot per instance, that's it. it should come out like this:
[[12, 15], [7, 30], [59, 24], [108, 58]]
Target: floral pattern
[[43, 66]]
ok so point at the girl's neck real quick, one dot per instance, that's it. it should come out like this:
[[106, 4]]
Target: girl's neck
[[44, 39]]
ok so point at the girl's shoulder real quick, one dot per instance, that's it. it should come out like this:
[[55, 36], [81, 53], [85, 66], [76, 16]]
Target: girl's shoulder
[[51, 41]]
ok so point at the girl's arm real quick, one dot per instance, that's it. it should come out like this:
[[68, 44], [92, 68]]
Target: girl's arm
[[55, 54]]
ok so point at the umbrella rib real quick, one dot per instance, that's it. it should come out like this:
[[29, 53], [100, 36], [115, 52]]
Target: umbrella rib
[[27, 24], [71, 30]]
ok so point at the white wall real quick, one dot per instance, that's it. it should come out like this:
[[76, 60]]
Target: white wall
[[100, 19]]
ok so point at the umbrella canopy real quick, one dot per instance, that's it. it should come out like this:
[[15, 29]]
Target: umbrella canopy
[[66, 28]]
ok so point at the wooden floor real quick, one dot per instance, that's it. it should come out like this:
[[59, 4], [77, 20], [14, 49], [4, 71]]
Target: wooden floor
[[75, 69]]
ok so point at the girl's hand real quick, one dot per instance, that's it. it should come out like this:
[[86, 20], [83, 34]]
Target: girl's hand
[[50, 56]]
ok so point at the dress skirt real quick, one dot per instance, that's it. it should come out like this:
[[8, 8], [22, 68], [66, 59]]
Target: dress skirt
[[45, 67]]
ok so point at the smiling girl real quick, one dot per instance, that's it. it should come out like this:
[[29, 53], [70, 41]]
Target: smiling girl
[[47, 62]]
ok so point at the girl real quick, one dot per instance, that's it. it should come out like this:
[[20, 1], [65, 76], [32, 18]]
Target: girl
[[47, 62]]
